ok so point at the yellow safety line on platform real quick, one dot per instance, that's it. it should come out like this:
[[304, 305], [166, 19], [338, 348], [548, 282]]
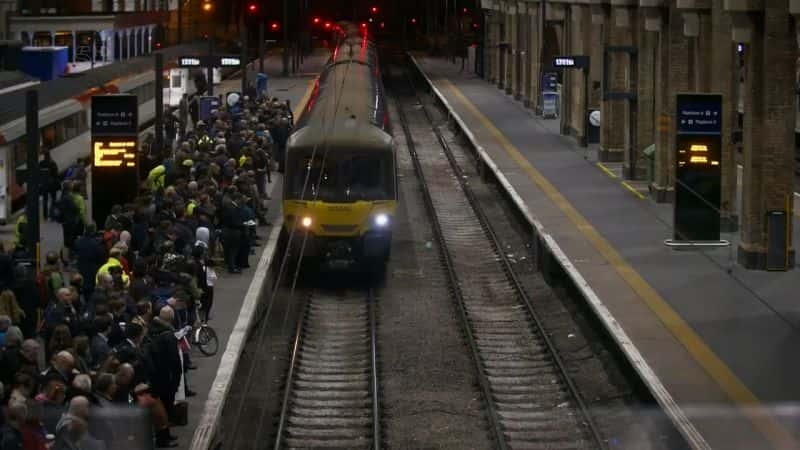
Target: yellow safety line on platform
[[735, 389], [606, 170], [633, 190]]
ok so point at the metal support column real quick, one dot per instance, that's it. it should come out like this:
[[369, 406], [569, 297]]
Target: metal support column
[[32, 175], [210, 67], [159, 98]]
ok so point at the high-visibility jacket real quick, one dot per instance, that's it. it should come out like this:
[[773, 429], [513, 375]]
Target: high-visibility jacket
[[155, 179], [112, 262]]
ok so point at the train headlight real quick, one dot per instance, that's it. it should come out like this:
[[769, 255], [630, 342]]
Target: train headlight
[[381, 220], [306, 222]]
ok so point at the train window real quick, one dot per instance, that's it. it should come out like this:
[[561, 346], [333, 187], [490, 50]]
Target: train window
[[49, 138], [20, 152], [345, 177], [71, 127]]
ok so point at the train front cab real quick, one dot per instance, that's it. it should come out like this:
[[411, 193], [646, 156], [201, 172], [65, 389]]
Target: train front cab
[[343, 214]]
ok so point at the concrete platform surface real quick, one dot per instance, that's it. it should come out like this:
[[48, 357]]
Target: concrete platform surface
[[721, 339]]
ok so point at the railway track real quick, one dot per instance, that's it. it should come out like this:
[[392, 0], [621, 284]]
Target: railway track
[[331, 395], [531, 401]]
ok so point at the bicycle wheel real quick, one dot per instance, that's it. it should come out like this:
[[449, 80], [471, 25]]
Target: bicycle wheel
[[206, 339]]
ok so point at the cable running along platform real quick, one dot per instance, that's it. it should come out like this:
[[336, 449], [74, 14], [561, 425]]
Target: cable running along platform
[[530, 400], [331, 394]]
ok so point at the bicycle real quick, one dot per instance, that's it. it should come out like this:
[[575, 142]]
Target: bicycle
[[202, 335]]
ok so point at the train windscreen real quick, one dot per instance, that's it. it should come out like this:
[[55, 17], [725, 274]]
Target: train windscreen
[[341, 177]]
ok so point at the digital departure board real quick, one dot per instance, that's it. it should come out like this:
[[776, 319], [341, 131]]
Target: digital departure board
[[115, 152], [698, 172]]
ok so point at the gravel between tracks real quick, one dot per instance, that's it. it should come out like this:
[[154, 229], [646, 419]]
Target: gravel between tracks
[[429, 390]]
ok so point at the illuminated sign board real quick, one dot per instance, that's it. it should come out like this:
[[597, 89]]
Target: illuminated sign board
[[189, 62], [698, 120], [206, 60], [115, 115], [115, 152], [571, 62], [230, 61]]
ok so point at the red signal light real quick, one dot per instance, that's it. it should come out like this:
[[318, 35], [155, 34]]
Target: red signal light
[[383, 25], [363, 25], [316, 20], [274, 26], [327, 24], [465, 10], [252, 8], [374, 10], [414, 21]]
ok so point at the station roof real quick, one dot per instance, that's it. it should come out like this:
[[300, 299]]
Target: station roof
[[12, 104]]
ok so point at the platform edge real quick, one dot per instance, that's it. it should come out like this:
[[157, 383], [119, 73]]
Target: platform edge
[[676, 414]]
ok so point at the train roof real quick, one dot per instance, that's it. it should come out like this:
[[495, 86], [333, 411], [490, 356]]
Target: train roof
[[100, 80], [356, 49], [347, 110]]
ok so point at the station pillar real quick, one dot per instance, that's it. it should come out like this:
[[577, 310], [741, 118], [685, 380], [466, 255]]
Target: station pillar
[[500, 33], [513, 53], [535, 52], [579, 32], [522, 51], [724, 54], [672, 77], [768, 134], [647, 36], [612, 125]]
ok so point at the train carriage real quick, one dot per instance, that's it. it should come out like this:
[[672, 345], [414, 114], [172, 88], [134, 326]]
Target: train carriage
[[340, 193]]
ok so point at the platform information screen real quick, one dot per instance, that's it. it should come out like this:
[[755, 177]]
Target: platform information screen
[[698, 172], [115, 152]]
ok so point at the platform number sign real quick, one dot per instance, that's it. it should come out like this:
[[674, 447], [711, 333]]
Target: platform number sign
[[115, 152], [698, 150]]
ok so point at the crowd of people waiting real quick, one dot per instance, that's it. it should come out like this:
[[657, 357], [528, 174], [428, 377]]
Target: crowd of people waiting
[[103, 324]]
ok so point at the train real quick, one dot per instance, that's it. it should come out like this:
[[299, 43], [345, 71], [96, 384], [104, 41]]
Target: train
[[340, 180]]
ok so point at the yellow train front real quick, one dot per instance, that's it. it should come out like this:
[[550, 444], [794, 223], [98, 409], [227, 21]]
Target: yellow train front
[[340, 192]]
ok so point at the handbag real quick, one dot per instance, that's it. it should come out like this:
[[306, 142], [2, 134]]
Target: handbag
[[180, 414]]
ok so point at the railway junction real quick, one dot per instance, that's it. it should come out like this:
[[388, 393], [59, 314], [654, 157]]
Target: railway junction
[[497, 224]]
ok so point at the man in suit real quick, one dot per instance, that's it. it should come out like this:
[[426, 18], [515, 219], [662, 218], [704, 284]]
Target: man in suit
[[99, 347], [130, 351]]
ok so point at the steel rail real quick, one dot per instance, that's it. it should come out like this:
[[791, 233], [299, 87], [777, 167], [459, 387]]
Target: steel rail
[[483, 380], [373, 337], [296, 348], [287, 390], [485, 223], [507, 268]]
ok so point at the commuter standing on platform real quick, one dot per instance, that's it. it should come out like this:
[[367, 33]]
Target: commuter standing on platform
[[48, 173]]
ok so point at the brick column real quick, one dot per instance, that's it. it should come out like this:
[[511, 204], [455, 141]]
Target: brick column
[[768, 135], [612, 124], [489, 43], [522, 51], [646, 88], [672, 76], [626, 23], [725, 82], [535, 46], [502, 57], [513, 54], [580, 34]]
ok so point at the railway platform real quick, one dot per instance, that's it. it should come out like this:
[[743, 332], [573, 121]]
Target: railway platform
[[233, 292], [714, 343]]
